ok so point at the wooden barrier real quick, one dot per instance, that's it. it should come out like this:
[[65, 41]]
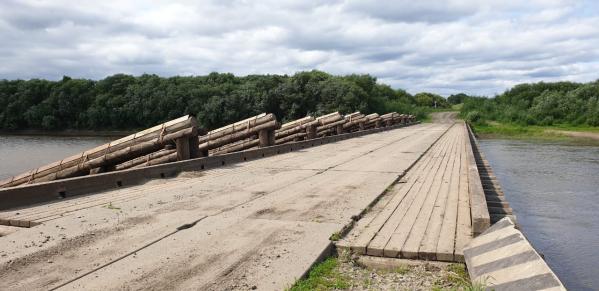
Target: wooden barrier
[[104, 157], [478, 203], [25, 195], [262, 125], [155, 145]]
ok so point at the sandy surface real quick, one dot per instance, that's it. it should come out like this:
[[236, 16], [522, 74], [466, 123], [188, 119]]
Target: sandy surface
[[256, 225], [577, 134]]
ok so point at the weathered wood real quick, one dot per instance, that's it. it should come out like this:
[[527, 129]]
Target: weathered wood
[[142, 136], [478, 203], [406, 215], [172, 157], [237, 146], [410, 247], [236, 136], [245, 125], [331, 125], [365, 243], [446, 242], [183, 152], [264, 138], [329, 118], [290, 138], [431, 238], [144, 159], [117, 157], [311, 132]]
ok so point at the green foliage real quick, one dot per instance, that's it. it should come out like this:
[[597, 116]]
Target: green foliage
[[128, 102], [543, 104], [425, 99], [456, 98], [323, 276]]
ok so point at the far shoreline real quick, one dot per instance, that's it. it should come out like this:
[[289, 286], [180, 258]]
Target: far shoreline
[[67, 133]]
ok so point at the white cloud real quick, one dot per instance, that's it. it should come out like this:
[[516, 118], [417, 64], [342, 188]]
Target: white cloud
[[480, 47]]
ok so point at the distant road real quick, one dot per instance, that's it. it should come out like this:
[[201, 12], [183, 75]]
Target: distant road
[[447, 117]]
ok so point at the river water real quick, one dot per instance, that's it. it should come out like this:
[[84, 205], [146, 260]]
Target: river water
[[553, 189], [23, 153]]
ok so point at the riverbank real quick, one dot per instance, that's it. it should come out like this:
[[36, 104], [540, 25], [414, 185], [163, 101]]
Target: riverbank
[[566, 133]]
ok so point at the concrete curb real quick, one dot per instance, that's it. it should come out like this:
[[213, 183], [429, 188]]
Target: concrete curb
[[502, 259]]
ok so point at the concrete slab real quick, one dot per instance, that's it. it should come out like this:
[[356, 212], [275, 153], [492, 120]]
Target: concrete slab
[[502, 259]]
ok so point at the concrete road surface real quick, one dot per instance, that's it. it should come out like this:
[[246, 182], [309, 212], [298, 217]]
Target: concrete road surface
[[256, 225]]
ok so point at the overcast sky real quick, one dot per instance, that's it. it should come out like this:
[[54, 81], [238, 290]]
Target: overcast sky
[[473, 46]]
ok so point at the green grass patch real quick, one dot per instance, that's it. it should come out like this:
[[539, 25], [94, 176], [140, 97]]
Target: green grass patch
[[323, 276], [335, 236], [492, 129], [110, 206]]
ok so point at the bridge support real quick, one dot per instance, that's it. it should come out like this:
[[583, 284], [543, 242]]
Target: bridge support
[[266, 137], [339, 129], [311, 132]]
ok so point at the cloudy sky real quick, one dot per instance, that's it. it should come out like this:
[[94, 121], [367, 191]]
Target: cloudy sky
[[474, 46]]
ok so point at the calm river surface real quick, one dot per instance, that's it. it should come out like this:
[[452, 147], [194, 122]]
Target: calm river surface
[[554, 191], [23, 153]]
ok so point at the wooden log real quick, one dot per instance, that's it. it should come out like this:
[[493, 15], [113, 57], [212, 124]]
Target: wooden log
[[172, 157], [142, 136], [330, 125], [354, 115], [296, 123], [329, 118], [237, 136], [353, 124], [116, 157], [240, 146], [144, 159], [237, 127], [290, 138]]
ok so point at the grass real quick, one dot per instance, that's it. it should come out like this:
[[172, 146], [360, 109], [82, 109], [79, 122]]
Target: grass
[[323, 276], [110, 206], [494, 129], [458, 276], [335, 236]]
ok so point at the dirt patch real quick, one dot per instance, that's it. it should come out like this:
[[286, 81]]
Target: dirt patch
[[576, 134]]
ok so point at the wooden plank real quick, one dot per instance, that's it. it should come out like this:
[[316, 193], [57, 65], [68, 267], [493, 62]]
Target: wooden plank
[[398, 190], [432, 236], [410, 211], [394, 214], [419, 227], [378, 222], [464, 221], [380, 242], [478, 204], [446, 242]]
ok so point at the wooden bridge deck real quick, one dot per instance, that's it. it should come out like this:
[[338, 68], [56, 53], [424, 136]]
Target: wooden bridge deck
[[259, 224], [427, 214]]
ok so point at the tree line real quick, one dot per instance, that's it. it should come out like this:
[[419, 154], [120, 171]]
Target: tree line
[[538, 104], [125, 102]]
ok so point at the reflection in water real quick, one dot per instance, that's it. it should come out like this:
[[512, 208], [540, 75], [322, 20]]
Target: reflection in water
[[554, 191], [23, 153]]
